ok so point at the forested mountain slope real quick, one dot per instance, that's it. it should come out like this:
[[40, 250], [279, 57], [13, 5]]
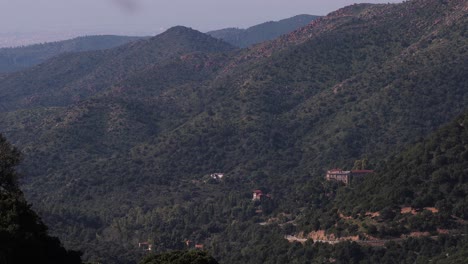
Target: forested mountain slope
[[405, 210], [23, 236], [119, 143], [433, 173], [262, 32], [76, 76], [19, 58]]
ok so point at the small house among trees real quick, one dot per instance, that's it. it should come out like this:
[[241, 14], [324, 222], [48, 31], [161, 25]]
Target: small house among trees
[[188, 242], [199, 246], [217, 176], [146, 246], [345, 176], [259, 195]]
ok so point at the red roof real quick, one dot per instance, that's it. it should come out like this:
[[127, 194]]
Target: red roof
[[258, 191], [337, 172]]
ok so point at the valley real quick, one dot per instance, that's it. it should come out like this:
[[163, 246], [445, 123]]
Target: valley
[[120, 145]]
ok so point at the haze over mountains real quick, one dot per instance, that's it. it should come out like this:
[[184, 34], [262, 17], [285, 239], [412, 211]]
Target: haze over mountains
[[14, 59], [119, 143], [18, 58], [262, 32]]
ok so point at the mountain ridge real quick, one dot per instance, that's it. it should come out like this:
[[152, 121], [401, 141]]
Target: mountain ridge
[[92, 72], [262, 32], [20, 58]]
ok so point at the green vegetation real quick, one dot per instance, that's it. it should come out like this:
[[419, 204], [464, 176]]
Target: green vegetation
[[23, 236], [180, 257], [430, 174], [119, 144], [433, 194], [75, 77]]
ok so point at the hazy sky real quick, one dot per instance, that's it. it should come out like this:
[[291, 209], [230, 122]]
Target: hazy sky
[[152, 16]]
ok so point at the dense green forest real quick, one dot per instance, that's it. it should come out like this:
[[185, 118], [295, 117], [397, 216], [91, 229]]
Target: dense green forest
[[180, 257], [119, 144], [23, 236], [263, 32], [430, 174], [19, 58]]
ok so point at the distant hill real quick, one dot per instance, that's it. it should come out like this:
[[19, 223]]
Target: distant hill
[[74, 77], [262, 32], [18, 58]]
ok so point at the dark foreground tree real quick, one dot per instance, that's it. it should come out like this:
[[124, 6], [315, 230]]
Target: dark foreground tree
[[180, 257], [23, 236]]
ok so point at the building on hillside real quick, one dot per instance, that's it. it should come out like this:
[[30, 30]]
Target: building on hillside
[[199, 246], [345, 177], [338, 175], [259, 195], [145, 246], [217, 176], [188, 242]]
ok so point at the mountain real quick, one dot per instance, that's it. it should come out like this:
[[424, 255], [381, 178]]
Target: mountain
[[21, 230], [262, 32], [19, 58], [77, 76], [120, 144]]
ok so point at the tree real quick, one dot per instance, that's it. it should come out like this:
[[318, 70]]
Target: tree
[[9, 158], [180, 257], [23, 236]]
